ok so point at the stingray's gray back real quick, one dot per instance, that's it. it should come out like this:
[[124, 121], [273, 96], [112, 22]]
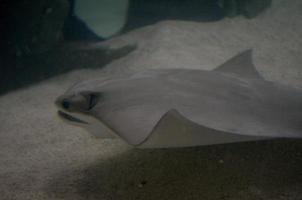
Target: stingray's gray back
[[222, 101]]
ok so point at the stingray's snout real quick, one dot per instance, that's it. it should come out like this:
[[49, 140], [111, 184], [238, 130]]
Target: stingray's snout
[[82, 102]]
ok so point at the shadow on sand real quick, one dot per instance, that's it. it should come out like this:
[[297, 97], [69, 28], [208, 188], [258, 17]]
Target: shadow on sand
[[252, 170]]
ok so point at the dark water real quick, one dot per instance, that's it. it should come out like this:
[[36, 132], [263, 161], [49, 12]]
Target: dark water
[[40, 37]]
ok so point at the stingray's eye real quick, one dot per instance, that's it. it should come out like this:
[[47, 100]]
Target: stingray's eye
[[91, 99]]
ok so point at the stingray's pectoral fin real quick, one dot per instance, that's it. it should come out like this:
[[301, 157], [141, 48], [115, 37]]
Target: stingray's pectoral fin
[[175, 130]]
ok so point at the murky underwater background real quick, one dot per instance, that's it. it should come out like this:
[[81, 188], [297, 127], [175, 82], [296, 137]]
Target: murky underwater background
[[46, 48]]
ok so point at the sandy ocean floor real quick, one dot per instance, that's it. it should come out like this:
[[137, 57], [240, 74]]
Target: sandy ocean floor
[[43, 158]]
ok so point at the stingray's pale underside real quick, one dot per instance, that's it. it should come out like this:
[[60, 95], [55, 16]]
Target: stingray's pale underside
[[185, 107]]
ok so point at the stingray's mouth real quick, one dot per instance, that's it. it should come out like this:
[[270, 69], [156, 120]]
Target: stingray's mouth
[[70, 118]]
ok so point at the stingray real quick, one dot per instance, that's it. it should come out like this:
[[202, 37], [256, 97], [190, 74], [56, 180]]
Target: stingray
[[185, 107]]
